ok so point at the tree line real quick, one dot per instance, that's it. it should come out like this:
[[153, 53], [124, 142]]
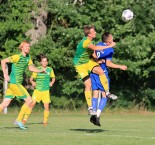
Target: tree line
[[135, 44]]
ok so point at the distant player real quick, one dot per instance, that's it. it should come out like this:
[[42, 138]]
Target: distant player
[[84, 64], [19, 63], [42, 83], [105, 59]]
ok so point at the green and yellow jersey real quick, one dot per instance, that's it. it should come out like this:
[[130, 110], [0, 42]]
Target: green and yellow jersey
[[83, 53], [19, 65], [43, 79]]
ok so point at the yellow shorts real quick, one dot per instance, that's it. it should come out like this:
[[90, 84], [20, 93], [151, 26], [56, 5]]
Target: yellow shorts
[[43, 96], [16, 90], [83, 70]]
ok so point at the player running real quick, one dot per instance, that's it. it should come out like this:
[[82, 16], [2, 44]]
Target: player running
[[19, 64]]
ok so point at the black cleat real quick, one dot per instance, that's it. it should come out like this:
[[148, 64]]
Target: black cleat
[[93, 119], [97, 121]]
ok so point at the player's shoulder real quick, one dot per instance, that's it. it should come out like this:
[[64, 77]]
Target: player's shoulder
[[49, 68], [101, 44]]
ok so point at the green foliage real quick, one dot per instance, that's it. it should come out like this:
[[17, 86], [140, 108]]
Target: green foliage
[[15, 20], [135, 43]]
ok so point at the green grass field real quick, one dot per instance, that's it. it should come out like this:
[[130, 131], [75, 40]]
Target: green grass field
[[74, 128]]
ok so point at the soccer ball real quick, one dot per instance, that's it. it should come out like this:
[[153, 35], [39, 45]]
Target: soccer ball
[[127, 15]]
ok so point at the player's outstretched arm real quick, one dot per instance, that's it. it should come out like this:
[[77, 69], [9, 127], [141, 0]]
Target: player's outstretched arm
[[94, 47], [32, 68], [110, 64]]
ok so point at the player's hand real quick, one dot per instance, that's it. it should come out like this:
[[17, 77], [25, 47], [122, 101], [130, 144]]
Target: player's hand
[[51, 84], [123, 67], [33, 84], [6, 78], [101, 61], [112, 44]]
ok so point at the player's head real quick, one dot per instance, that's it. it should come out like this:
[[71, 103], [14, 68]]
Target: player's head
[[24, 47], [90, 31], [107, 38], [43, 60]]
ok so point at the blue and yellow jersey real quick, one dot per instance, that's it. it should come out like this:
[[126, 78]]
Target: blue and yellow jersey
[[43, 79], [19, 65], [83, 53], [105, 54]]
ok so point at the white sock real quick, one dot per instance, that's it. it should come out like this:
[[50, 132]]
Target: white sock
[[98, 112], [89, 108]]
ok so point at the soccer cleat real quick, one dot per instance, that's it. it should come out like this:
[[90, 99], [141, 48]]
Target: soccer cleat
[[45, 124], [24, 121], [97, 121], [111, 96], [91, 112], [93, 119], [20, 124]]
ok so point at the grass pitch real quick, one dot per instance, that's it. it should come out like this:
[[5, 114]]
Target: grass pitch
[[74, 128]]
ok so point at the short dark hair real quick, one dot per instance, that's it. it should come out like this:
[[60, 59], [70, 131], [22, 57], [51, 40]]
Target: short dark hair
[[40, 57], [105, 36], [87, 29]]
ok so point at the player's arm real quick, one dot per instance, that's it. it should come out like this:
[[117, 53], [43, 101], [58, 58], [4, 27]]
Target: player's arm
[[95, 58], [52, 75], [52, 82], [32, 68], [110, 64], [4, 68], [32, 81], [94, 47]]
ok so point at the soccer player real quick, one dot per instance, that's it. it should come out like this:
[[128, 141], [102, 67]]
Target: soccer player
[[84, 64], [42, 84], [105, 59], [19, 63]]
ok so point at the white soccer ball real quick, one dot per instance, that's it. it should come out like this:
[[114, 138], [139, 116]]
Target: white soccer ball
[[127, 15]]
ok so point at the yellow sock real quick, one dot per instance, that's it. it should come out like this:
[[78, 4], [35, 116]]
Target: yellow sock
[[28, 112], [88, 96], [104, 82], [22, 112], [46, 115]]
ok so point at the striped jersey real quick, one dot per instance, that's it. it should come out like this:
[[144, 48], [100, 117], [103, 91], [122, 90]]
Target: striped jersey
[[83, 53], [19, 65], [43, 79]]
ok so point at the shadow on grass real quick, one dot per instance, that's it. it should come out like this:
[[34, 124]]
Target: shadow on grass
[[90, 130], [14, 128], [33, 123]]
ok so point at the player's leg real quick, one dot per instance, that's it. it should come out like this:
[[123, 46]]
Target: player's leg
[[83, 73], [22, 93], [46, 100], [98, 70], [9, 95], [5, 103], [46, 113], [28, 112], [88, 92]]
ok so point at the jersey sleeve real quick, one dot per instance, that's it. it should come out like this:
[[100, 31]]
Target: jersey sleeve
[[34, 75], [52, 75], [30, 62], [86, 43], [14, 58]]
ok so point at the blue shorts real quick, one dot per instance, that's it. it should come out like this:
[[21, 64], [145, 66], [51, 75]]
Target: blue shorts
[[96, 83]]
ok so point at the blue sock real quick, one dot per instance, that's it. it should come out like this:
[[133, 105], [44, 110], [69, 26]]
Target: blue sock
[[102, 103], [94, 103]]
